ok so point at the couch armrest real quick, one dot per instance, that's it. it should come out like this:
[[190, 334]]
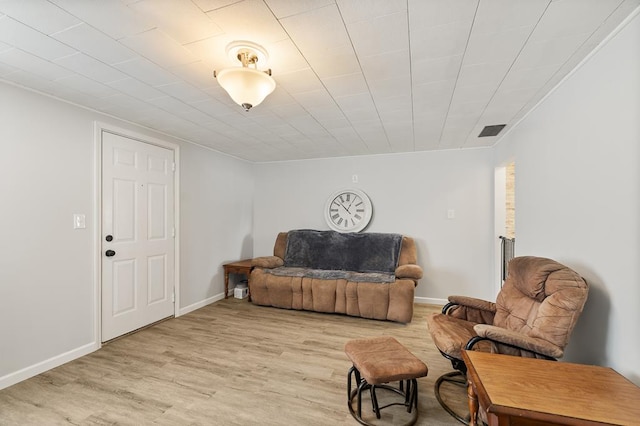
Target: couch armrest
[[413, 272], [518, 340], [269, 262]]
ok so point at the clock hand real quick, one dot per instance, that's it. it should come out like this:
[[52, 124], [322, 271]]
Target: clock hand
[[346, 209]]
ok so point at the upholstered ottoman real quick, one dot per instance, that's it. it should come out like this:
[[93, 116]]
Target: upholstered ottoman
[[376, 362]]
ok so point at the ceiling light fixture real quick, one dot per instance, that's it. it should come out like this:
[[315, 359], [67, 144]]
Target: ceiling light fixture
[[246, 85]]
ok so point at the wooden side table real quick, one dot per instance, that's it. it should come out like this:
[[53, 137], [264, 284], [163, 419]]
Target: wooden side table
[[525, 391], [240, 267]]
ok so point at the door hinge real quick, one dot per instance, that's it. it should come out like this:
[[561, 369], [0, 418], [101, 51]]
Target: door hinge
[[173, 232], [173, 297], [173, 167]]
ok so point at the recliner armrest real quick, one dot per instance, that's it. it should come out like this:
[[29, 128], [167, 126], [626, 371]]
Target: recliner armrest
[[411, 271], [518, 340], [269, 262], [472, 302], [470, 309]]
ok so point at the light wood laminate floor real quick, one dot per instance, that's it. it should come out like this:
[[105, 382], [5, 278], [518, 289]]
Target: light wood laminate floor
[[229, 363]]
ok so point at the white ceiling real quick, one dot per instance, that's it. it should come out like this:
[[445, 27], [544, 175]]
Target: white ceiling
[[353, 77]]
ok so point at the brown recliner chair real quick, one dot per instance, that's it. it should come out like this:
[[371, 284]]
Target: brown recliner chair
[[533, 316]]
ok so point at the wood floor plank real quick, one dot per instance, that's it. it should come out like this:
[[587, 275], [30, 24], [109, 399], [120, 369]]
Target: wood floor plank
[[229, 363]]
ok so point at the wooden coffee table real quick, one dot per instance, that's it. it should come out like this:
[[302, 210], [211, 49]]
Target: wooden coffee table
[[240, 267], [524, 391]]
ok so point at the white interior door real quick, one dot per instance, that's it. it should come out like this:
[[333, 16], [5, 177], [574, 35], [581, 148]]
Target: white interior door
[[138, 246]]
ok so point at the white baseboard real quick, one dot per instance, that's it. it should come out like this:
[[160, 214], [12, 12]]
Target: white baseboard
[[430, 301], [201, 304], [48, 364]]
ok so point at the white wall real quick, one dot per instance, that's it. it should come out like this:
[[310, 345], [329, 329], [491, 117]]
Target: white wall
[[46, 272], [216, 218], [47, 300], [411, 194], [577, 195]]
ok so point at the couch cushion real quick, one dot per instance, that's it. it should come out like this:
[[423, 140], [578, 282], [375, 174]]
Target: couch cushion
[[408, 252], [281, 245], [330, 250], [328, 274]]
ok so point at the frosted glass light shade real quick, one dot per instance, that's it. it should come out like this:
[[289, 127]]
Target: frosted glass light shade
[[246, 86]]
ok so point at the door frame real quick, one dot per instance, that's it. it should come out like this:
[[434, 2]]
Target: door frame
[[500, 220], [100, 127]]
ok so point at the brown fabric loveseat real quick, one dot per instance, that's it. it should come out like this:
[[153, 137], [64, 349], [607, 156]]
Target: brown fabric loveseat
[[366, 275]]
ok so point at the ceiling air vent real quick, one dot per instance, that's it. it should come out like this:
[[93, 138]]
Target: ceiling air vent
[[491, 130]]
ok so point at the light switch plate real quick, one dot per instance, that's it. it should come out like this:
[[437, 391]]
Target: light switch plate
[[79, 221]]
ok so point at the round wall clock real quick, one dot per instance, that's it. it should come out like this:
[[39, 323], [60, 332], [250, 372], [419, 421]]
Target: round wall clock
[[348, 210]]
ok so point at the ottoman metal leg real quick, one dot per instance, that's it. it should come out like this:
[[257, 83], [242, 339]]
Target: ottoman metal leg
[[374, 401], [408, 391]]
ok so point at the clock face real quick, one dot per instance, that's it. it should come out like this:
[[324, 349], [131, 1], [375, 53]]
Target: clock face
[[348, 210]]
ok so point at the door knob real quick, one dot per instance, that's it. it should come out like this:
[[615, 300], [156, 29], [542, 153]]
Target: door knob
[[109, 238], [109, 253]]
